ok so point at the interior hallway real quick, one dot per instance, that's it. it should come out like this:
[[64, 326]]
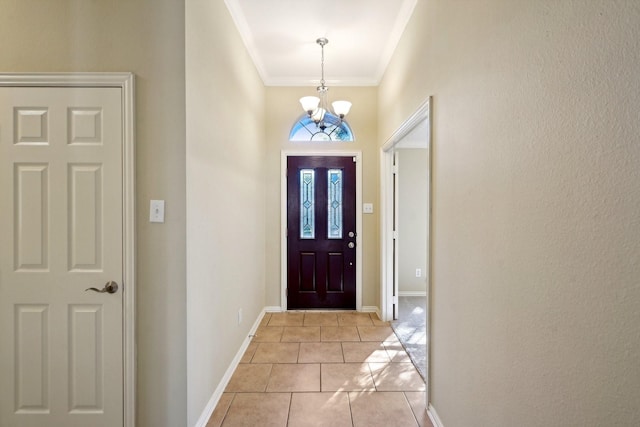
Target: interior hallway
[[323, 369]]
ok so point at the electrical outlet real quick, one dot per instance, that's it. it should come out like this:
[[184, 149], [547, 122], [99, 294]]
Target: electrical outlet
[[418, 272]]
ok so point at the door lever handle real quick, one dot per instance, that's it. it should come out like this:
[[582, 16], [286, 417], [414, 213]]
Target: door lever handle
[[110, 287]]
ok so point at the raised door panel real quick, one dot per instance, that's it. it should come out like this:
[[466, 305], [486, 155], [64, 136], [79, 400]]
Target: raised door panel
[[31, 358], [31, 217], [86, 368], [85, 217]]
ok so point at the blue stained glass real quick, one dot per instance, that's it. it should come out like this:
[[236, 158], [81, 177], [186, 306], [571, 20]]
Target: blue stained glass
[[307, 204], [334, 210], [305, 129]]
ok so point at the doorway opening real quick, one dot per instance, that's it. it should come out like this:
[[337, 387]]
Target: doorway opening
[[411, 253], [406, 231]]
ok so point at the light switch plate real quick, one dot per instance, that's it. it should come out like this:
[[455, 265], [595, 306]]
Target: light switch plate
[[156, 211], [367, 208]]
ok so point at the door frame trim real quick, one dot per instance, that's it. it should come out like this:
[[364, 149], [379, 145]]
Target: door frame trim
[[125, 82], [283, 217], [423, 113]]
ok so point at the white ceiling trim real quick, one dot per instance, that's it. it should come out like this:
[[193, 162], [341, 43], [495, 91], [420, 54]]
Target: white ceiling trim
[[304, 81], [246, 35], [394, 37]]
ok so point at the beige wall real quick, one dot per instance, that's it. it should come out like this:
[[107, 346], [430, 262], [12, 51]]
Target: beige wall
[[536, 238], [283, 109], [225, 197], [413, 216], [145, 37]]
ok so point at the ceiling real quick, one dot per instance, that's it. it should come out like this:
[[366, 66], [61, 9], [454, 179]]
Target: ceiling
[[280, 36]]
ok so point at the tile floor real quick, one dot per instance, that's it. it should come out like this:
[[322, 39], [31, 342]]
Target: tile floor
[[411, 329], [323, 369]]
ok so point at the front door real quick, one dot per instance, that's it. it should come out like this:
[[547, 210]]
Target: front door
[[321, 232], [61, 228]]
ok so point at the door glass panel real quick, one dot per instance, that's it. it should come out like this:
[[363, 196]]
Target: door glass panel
[[307, 204], [334, 192]]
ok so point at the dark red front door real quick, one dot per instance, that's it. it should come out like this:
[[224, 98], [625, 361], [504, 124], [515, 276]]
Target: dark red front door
[[321, 227]]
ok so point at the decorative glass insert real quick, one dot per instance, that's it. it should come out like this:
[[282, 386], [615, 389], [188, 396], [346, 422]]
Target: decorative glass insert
[[307, 204], [334, 213], [305, 129]]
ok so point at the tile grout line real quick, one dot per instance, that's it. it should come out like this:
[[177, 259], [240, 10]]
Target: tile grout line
[[289, 411], [350, 408], [268, 379], [375, 386], [226, 412], [406, 398]]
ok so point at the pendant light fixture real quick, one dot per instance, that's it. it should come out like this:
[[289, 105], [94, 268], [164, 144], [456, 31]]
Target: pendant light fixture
[[316, 106]]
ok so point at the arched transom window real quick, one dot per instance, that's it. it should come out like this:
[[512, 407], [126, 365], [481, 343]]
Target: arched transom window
[[305, 129]]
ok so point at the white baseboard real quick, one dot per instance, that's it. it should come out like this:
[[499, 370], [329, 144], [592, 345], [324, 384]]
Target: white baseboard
[[213, 401], [412, 293], [371, 309], [278, 309], [433, 416]]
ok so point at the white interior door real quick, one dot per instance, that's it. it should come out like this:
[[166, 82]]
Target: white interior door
[[61, 228]]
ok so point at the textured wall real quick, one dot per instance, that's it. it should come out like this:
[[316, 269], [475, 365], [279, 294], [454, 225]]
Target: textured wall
[[145, 37], [536, 289], [413, 215], [225, 197]]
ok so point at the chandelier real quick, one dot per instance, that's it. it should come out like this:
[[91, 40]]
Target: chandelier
[[316, 106]]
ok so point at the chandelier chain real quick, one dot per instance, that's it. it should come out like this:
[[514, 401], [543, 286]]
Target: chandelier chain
[[322, 65]]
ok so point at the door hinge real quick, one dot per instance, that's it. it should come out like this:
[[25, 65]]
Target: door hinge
[[355, 159], [395, 169], [395, 299], [395, 234]]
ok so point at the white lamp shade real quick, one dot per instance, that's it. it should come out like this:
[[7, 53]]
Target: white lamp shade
[[309, 103], [318, 115], [341, 108]]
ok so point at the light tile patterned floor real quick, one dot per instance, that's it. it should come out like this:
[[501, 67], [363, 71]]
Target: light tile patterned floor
[[323, 369]]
